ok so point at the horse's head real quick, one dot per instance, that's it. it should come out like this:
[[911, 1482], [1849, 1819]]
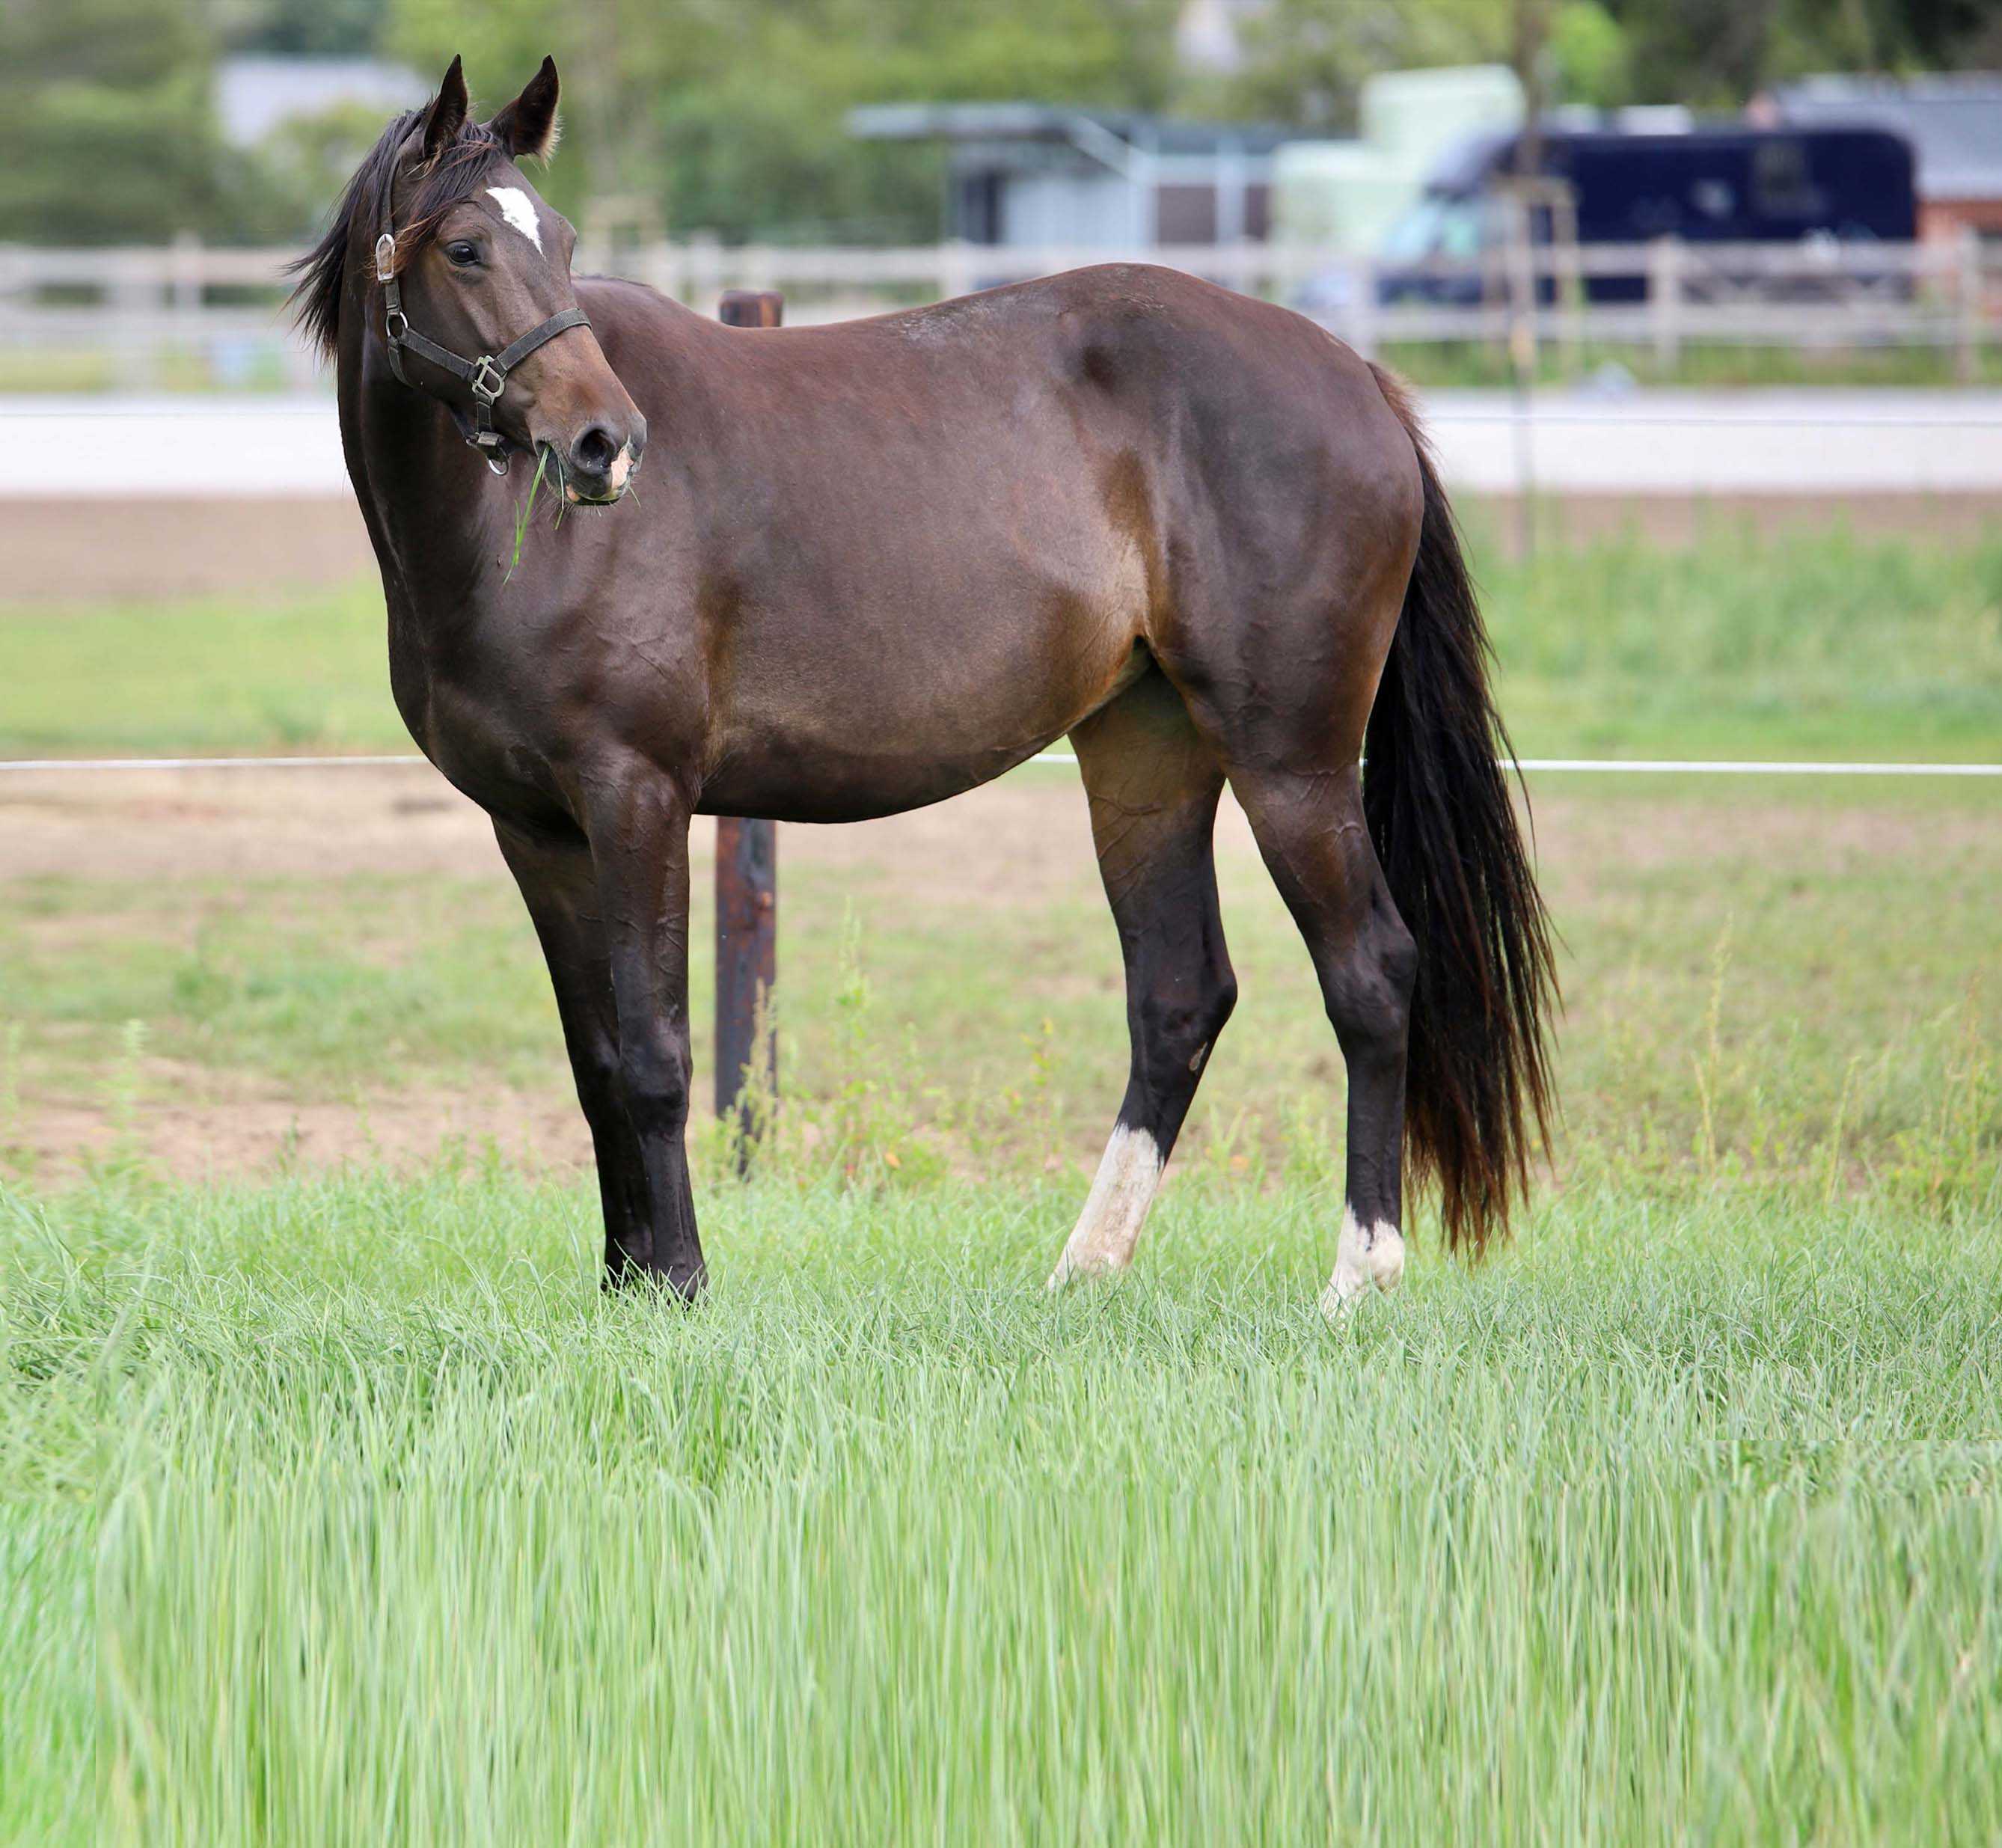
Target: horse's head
[[466, 271]]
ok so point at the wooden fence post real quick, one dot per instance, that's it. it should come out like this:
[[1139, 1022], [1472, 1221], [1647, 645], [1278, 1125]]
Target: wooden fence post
[[747, 897], [1968, 279], [1665, 300]]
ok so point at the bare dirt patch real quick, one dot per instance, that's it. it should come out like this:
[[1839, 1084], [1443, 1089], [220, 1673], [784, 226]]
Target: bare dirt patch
[[1738, 823], [217, 824], [144, 548], [1010, 842], [1023, 843], [153, 835], [178, 1124]]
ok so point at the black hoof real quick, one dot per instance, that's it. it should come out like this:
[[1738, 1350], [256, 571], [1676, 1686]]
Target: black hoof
[[684, 1282]]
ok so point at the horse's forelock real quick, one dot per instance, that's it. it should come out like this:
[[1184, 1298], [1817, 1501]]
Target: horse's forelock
[[447, 179]]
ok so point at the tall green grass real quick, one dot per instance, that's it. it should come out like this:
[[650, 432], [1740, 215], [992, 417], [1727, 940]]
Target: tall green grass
[[350, 1512]]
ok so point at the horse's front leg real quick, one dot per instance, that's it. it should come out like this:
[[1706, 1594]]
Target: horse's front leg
[[638, 821], [560, 886]]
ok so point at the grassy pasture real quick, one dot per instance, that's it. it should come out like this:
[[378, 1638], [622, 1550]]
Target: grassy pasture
[[336, 1504], [1818, 644], [345, 1511], [1740, 998]]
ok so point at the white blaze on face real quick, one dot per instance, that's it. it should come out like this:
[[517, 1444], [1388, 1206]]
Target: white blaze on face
[[519, 210], [1361, 1259], [1115, 1209]]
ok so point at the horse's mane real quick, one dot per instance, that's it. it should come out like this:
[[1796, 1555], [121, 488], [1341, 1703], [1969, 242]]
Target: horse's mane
[[447, 179]]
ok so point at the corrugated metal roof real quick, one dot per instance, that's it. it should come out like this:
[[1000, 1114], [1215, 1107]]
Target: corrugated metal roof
[[1052, 122]]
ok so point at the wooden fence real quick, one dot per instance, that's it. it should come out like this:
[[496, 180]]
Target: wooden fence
[[189, 314]]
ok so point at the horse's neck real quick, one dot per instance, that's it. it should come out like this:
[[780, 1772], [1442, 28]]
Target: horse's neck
[[421, 494]]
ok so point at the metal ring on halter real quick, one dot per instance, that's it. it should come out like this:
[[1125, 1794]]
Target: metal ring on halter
[[487, 388], [491, 444]]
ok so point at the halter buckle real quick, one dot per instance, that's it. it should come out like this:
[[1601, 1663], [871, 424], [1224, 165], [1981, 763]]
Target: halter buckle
[[488, 382], [386, 257]]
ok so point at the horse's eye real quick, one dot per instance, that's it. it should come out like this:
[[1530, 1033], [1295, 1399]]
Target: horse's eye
[[463, 254]]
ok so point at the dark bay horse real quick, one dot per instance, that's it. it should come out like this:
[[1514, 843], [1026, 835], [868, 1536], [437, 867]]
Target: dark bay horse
[[879, 563]]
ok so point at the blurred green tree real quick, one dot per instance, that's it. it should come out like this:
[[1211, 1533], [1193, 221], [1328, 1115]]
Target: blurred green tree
[[1715, 54], [730, 118], [108, 131], [300, 28], [1591, 59], [287, 185], [1305, 60]]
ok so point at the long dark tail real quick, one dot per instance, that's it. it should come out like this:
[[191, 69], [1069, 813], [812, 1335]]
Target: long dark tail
[[1435, 794]]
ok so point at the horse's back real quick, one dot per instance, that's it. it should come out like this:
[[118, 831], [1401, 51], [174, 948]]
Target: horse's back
[[966, 526], [1136, 335]]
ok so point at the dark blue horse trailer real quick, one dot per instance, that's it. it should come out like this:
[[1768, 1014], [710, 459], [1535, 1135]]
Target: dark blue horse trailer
[[1707, 185]]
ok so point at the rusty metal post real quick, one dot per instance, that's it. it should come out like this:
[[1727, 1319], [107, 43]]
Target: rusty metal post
[[747, 895]]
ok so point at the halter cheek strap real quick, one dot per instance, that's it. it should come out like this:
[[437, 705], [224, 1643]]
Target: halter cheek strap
[[485, 378]]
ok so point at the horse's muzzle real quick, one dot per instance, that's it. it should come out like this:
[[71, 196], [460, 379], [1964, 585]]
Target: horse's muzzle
[[603, 460]]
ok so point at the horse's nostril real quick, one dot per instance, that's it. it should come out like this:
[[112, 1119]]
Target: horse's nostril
[[594, 450]]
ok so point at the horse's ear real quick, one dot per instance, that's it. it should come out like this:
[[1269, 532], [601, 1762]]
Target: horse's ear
[[527, 127], [446, 117]]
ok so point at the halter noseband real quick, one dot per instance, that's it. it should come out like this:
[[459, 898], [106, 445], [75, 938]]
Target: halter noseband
[[485, 376]]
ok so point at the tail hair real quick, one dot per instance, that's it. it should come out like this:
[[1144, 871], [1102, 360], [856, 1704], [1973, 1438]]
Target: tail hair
[[1436, 799]]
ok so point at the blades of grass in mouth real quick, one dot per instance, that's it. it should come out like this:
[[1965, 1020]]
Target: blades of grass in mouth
[[527, 507]]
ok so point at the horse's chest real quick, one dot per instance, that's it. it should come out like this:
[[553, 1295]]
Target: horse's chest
[[465, 715]]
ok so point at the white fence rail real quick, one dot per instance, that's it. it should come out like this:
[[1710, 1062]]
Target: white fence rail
[[137, 319]]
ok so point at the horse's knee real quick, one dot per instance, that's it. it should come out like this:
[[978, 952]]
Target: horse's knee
[[656, 1081], [594, 1062]]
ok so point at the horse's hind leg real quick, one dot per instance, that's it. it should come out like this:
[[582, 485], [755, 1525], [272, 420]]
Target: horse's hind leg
[[1153, 787], [1311, 831]]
